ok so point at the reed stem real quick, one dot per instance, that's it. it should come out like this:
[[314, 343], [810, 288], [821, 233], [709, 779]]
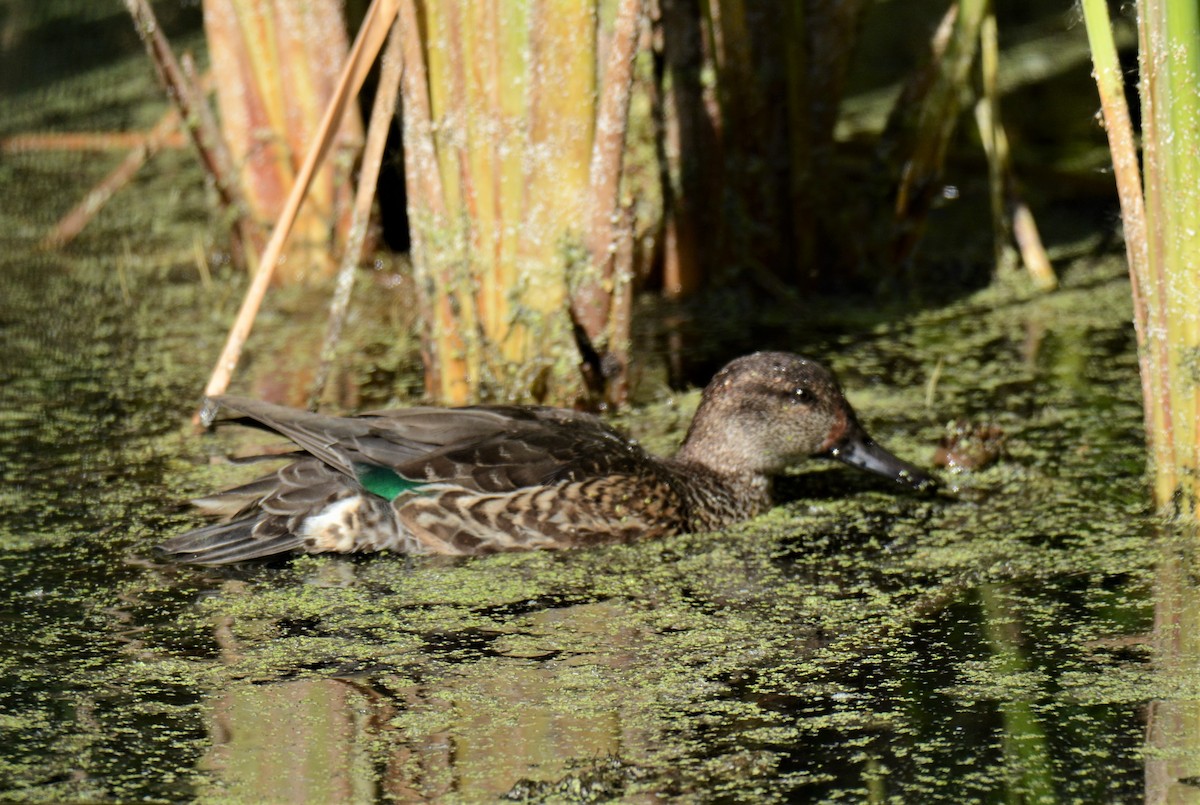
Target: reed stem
[[1162, 241]]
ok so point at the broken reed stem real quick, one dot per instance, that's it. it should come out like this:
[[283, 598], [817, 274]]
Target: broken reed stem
[[382, 113], [1010, 214], [375, 27], [94, 141], [71, 224], [1029, 240], [193, 109], [593, 298]]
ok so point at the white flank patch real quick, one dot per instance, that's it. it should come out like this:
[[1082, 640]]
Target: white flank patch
[[329, 529]]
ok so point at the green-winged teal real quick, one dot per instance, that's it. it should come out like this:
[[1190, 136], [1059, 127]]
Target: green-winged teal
[[498, 478]]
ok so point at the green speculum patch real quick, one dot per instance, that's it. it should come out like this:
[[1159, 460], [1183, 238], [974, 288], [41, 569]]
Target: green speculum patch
[[384, 481]]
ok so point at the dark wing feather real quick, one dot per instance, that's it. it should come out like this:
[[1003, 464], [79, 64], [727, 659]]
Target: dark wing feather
[[228, 542], [482, 448], [267, 515], [399, 438], [319, 435], [536, 447], [385, 438]]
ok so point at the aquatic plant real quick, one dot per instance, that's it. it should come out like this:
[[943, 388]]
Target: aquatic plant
[[1160, 208]]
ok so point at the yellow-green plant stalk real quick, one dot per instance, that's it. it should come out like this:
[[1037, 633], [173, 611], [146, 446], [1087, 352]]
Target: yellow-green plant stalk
[[275, 65], [1161, 233], [1169, 85], [500, 110], [1010, 213]]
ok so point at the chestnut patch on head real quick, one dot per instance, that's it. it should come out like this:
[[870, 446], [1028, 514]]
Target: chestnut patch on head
[[840, 425]]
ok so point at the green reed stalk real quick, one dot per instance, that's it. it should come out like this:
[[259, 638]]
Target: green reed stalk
[[1162, 237]]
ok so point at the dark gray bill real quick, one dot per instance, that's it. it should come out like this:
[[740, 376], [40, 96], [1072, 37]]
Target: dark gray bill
[[860, 450]]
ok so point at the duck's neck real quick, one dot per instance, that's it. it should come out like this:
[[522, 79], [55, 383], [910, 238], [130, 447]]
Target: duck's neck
[[715, 499]]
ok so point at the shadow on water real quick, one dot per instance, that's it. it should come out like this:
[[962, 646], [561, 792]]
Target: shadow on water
[[32, 36], [1006, 641]]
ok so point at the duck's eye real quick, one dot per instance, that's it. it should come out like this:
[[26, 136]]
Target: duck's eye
[[801, 395]]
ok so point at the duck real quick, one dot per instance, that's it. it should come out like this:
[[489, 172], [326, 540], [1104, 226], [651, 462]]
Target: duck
[[482, 479]]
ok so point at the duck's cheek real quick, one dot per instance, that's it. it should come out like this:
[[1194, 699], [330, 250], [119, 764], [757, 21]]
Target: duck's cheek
[[793, 449]]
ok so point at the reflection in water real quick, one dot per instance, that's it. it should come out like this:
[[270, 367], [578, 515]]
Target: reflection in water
[[475, 733], [830, 650], [1173, 722], [302, 741], [1026, 754]]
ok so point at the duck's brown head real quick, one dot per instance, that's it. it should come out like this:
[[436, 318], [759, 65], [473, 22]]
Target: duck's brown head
[[767, 411]]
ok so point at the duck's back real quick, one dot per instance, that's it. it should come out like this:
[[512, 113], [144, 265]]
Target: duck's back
[[433, 480]]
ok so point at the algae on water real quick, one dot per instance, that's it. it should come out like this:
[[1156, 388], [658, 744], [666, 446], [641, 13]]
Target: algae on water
[[856, 642]]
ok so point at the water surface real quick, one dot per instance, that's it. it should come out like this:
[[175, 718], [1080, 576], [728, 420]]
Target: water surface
[[1007, 642]]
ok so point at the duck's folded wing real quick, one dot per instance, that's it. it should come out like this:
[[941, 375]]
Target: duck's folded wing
[[319, 435], [383, 438], [227, 542], [263, 517], [532, 453]]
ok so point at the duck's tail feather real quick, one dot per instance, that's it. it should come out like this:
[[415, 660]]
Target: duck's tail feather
[[228, 542], [316, 434], [239, 500]]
